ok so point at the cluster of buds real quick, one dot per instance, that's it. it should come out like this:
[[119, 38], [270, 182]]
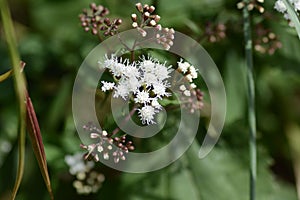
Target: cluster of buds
[[190, 90], [87, 180], [94, 19], [266, 41], [147, 17], [215, 32], [164, 36], [188, 96], [106, 144], [251, 5], [188, 70]]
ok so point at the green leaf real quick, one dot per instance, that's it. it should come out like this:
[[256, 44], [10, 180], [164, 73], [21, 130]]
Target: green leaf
[[6, 75], [166, 102]]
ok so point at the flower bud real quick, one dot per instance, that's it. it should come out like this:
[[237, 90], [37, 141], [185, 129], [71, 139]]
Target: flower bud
[[94, 31], [134, 17], [139, 7], [146, 7], [156, 18], [93, 6], [151, 9], [118, 21], [147, 15], [134, 24], [152, 22]]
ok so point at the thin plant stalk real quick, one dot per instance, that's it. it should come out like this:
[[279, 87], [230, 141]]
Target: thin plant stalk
[[251, 101], [20, 87]]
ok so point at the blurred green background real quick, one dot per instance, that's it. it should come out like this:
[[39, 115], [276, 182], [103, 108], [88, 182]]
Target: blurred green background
[[53, 45]]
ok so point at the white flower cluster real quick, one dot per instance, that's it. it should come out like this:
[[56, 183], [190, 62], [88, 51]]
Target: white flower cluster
[[188, 70], [87, 180], [145, 82], [281, 7], [77, 164]]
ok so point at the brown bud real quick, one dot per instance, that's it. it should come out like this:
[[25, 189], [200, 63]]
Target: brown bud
[[146, 7], [156, 18], [100, 8], [139, 7], [131, 148], [151, 9], [94, 31], [102, 28], [93, 6], [134, 17], [147, 15], [107, 21], [118, 21]]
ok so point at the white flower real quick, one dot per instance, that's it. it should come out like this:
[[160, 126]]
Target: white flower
[[183, 67], [108, 62], [118, 69], [193, 72], [162, 72], [77, 164], [187, 93], [131, 71], [155, 104], [193, 85], [105, 156], [99, 148], [131, 77], [142, 97], [189, 78], [297, 5], [132, 84], [147, 65], [160, 90], [121, 91], [280, 6], [104, 133], [107, 86], [149, 78], [182, 88], [146, 114]]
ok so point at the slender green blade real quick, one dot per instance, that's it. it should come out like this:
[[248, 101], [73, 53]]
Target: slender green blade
[[293, 15]]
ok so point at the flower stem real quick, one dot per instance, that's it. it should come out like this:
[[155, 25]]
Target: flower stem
[[116, 130], [20, 87], [251, 100]]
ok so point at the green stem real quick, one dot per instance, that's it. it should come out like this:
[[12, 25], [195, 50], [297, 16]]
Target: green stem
[[19, 84], [251, 100]]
